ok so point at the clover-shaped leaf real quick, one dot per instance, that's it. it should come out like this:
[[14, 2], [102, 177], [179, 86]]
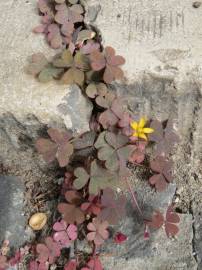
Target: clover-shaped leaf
[[64, 234], [108, 61], [43, 6], [112, 115], [98, 231], [101, 178], [138, 155], [76, 66], [71, 211], [157, 220], [90, 47], [92, 206], [58, 147], [54, 36], [82, 178], [66, 14], [113, 206], [107, 119], [85, 140], [113, 149], [165, 137], [172, 219], [40, 67], [164, 169], [48, 251], [103, 96]]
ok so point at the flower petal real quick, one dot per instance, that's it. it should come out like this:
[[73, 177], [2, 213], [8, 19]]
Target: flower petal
[[148, 130], [135, 134], [142, 122], [142, 136], [134, 125]]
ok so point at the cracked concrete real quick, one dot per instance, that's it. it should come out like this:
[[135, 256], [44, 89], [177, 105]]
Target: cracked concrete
[[161, 42]]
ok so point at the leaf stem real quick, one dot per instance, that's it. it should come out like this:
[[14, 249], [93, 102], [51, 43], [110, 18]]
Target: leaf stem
[[133, 196]]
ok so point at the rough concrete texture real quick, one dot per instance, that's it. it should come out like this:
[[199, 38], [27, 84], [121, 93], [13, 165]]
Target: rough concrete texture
[[20, 93], [150, 33], [18, 157], [161, 41], [12, 221], [159, 252]]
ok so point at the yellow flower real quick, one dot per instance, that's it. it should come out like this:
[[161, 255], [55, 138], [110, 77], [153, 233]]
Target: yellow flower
[[140, 130]]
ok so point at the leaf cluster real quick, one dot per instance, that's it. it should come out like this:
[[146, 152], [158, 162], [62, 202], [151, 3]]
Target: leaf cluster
[[170, 221], [90, 201], [58, 147]]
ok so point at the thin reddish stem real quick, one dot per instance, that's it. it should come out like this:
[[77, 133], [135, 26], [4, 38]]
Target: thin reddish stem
[[133, 196]]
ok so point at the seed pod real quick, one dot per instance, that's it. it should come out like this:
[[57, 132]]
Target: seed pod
[[38, 221]]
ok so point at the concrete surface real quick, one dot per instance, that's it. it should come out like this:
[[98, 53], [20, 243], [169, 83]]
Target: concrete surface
[[150, 33], [20, 93]]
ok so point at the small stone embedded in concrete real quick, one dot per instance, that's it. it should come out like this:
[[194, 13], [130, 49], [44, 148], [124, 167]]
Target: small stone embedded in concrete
[[76, 109], [12, 219], [196, 4]]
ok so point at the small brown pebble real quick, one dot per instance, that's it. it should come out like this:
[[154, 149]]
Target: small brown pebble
[[38, 221], [196, 4]]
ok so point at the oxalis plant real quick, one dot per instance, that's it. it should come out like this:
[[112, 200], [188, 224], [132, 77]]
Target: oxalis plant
[[93, 193]]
